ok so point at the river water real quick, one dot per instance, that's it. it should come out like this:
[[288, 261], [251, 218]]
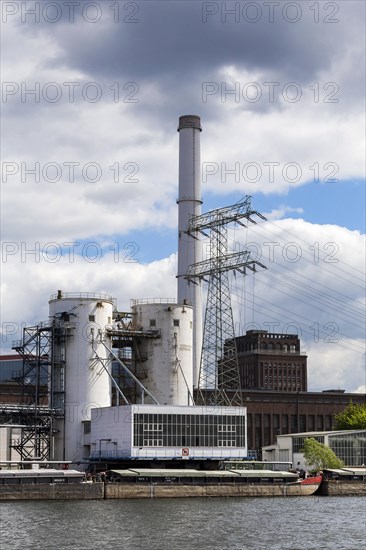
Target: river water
[[303, 523]]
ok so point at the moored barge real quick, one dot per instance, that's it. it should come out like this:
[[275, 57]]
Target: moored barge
[[50, 484]]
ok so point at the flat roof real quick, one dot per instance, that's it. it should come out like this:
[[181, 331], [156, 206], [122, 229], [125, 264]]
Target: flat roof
[[177, 409], [42, 472], [347, 471], [173, 472], [161, 472], [324, 432]]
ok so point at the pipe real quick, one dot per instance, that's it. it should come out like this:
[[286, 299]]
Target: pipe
[[107, 371], [141, 386]]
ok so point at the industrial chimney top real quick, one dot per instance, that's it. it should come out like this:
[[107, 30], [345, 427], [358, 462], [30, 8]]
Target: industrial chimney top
[[189, 121]]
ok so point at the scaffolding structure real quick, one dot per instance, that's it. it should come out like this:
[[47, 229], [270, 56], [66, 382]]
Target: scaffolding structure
[[42, 385], [219, 381], [129, 367]]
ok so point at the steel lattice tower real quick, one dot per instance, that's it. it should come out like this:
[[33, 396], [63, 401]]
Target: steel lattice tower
[[219, 381], [42, 383], [36, 351]]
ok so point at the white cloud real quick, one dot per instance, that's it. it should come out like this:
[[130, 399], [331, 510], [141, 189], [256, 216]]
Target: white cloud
[[280, 212], [313, 286], [320, 300], [312, 292]]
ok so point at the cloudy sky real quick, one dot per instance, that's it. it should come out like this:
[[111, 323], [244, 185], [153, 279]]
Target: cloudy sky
[[91, 96]]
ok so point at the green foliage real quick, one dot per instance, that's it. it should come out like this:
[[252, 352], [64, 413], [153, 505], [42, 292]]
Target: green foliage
[[319, 456], [352, 418]]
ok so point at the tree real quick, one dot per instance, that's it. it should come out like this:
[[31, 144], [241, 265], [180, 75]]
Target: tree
[[319, 456], [352, 418]]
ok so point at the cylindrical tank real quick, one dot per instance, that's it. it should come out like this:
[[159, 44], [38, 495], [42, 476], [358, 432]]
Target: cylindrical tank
[[81, 318], [189, 204], [166, 360]]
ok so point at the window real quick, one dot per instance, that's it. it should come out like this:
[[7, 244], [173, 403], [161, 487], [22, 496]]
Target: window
[[226, 443], [225, 429], [153, 427], [176, 322], [302, 426], [311, 422], [298, 442], [319, 423], [92, 318], [87, 427], [153, 322], [188, 430], [153, 442], [328, 422], [276, 421]]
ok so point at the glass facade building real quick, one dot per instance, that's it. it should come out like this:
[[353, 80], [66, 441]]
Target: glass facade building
[[188, 430], [349, 447], [167, 432]]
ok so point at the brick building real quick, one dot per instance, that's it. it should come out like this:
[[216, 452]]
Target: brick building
[[272, 413], [11, 368], [271, 361]]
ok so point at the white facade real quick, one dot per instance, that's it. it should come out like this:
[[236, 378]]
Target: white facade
[[348, 445], [86, 382], [189, 204], [8, 436], [170, 432], [165, 363]]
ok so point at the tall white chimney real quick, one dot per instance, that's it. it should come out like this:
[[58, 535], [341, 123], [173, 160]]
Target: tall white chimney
[[189, 204]]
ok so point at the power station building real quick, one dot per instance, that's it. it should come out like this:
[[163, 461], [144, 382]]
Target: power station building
[[271, 361], [101, 386], [148, 411]]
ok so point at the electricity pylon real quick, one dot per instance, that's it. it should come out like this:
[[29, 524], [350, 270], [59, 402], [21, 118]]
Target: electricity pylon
[[219, 381]]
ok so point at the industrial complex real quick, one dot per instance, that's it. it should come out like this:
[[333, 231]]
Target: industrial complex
[[161, 383]]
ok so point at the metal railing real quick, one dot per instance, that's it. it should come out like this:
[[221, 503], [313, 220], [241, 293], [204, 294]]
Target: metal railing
[[83, 295], [271, 352], [153, 301]]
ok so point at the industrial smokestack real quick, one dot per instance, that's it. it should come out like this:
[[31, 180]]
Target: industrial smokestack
[[189, 204]]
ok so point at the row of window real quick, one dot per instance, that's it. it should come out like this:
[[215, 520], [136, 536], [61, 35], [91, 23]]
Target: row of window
[[153, 322], [351, 448], [285, 348], [159, 443], [298, 442], [263, 429], [188, 430], [187, 419], [153, 427], [269, 365], [284, 378], [221, 428]]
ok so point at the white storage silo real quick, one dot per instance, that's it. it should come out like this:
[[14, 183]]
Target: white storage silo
[[86, 383], [166, 361]]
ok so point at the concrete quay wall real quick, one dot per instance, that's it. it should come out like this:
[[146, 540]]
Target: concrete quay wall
[[342, 488]]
